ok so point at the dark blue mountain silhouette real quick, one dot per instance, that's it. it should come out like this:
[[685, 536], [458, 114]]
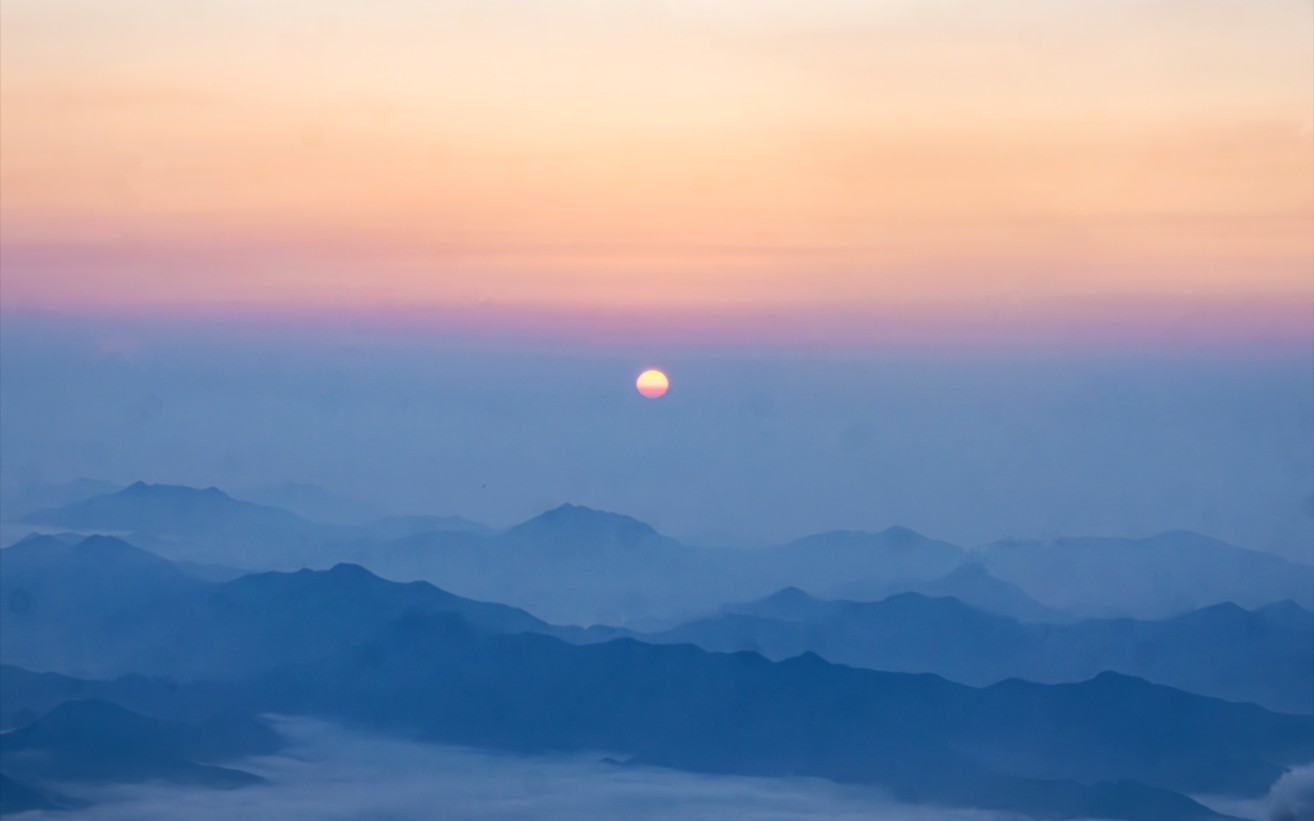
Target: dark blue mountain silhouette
[[97, 741], [103, 607], [1135, 746], [682, 707], [1265, 656], [345, 644]]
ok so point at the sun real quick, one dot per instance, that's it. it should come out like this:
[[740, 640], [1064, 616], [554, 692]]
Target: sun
[[652, 384]]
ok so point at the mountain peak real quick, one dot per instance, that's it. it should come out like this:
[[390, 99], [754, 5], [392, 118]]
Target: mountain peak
[[166, 510], [1283, 606], [144, 489], [109, 544], [790, 596], [37, 538], [577, 519], [901, 535]]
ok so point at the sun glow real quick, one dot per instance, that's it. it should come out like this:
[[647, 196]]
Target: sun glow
[[652, 384]]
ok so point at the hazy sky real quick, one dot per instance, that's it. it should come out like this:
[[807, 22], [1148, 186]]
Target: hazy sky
[[982, 269], [751, 443], [938, 169]]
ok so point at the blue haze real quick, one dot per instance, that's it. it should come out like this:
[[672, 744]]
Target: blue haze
[[752, 445]]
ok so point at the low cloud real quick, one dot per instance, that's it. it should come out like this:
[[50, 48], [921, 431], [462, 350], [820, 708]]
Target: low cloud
[[336, 775], [1292, 797]]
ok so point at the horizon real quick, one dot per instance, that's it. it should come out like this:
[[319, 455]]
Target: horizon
[[503, 527], [752, 443]]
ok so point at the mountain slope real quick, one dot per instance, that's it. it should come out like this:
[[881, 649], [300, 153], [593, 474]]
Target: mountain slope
[[1128, 749], [201, 525], [104, 607], [96, 741], [58, 599], [1160, 576], [822, 562], [1266, 656], [922, 736]]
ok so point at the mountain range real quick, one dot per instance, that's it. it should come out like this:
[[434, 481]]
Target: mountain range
[[1264, 656], [613, 569], [102, 607], [998, 678]]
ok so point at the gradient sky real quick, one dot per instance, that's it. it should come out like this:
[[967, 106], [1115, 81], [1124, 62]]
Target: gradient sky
[[983, 269], [942, 171]]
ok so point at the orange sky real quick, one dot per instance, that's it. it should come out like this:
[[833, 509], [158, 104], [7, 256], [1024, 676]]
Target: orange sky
[[959, 163]]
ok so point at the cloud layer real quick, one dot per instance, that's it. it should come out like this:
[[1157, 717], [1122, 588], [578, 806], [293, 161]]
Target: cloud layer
[[337, 775]]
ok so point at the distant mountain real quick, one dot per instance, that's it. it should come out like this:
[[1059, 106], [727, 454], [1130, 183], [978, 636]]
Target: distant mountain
[[604, 567], [576, 526], [612, 569], [1147, 578], [210, 528], [1266, 657], [86, 567], [189, 523], [103, 607], [828, 560], [164, 510], [58, 600], [313, 502], [353, 518], [971, 584], [17, 501], [96, 741], [25, 696]]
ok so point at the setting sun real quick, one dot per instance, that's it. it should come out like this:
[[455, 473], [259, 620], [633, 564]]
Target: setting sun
[[652, 384]]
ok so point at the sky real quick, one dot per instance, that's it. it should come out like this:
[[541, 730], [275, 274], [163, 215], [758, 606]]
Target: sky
[[943, 170], [1019, 268]]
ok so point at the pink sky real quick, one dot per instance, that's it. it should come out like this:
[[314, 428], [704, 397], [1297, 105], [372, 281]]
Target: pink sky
[[947, 171]]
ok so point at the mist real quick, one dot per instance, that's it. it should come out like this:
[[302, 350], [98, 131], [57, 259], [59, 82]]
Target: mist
[[335, 774], [752, 444]]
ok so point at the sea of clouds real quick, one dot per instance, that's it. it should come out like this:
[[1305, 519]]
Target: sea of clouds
[[335, 774]]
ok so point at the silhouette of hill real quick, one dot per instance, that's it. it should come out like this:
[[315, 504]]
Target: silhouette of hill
[[96, 741], [971, 584], [19, 500], [104, 607], [612, 569], [1266, 656], [922, 736], [1128, 749], [1163, 575], [164, 510], [188, 523]]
